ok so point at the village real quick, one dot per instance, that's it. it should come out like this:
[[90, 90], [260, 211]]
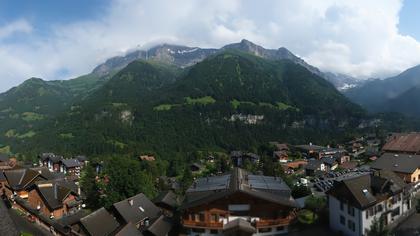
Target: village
[[351, 189]]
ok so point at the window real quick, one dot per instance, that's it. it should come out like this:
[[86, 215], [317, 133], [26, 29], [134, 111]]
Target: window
[[367, 214], [342, 206], [350, 210], [379, 208], [351, 225], [214, 218], [371, 211], [395, 212], [202, 217], [196, 217], [342, 220]]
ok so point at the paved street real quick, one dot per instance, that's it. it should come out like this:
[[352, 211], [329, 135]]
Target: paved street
[[410, 227]]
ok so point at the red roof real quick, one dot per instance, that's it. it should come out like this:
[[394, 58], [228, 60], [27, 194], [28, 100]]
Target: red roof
[[400, 142]]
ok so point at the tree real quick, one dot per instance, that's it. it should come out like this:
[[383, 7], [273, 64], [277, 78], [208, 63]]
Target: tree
[[89, 186], [299, 191], [122, 178], [315, 204], [378, 228]]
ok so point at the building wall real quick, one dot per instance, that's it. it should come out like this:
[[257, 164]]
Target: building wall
[[362, 224], [334, 214]]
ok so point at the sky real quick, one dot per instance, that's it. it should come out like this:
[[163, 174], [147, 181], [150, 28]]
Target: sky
[[53, 39]]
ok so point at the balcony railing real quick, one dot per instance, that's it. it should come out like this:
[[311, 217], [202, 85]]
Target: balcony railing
[[274, 222], [203, 224]]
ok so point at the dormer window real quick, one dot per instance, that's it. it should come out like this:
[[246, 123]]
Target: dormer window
[[141, 209]]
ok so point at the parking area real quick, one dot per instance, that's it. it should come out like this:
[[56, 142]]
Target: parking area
[[321, 184]]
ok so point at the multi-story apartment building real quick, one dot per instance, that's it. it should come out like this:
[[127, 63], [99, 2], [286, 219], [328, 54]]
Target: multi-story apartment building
[[238, 203], [355, 203]]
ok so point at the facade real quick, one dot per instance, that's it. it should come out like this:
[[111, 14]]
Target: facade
[[71, 167], [355, 203], [51, 161], [238, 204], [53, 200]]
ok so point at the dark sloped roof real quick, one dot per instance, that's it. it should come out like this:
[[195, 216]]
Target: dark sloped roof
[[44, 156], [161, 226], [73, 218], [136, 209], [70, 163], [313, 164], [329, 161], [309, 147], [209, 189], [168, 198], [403, 163], [365, 191], [99, 223], [52, 193], [81, 158], [128, 230], [239, 225], [20, 178]]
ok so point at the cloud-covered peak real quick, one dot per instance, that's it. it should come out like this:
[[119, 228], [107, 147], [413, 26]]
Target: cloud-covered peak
[[359, 38]]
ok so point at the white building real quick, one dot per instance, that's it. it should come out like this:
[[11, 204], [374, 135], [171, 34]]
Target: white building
[[355, 203]]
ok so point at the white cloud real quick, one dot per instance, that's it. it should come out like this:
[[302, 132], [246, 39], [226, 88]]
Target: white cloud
[[19, 26], [358, 37]]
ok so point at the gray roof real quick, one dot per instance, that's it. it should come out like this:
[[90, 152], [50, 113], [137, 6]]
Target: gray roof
[[7, 226], [129, 230], [137, 208], [309, 147], [366, 190], [313, 164], [20, 178], [329, 161], [161, 226], [52, 193], [80, 158], [209, 189], [168, 198], [70, 163], [99, 223], [403, 163]]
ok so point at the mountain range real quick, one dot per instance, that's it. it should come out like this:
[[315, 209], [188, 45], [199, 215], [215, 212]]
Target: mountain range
[[400, 93], [171, 100]]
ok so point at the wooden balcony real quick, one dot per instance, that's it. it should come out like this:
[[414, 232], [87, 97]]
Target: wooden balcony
[[202, 224], [273, 222]]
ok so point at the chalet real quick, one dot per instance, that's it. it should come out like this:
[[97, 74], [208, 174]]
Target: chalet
[[51, 161], [71, 167], [314, 166], [238, 158], [404, 143], [138, 210], [19, 180], [330, 152], [52, 199], [291, 167], [330, 163], [238, 203], [406, 166], [342, 157], [355, 203], [82, 159]]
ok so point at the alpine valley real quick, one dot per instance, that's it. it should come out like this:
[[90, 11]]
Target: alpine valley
[[170, 99]]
